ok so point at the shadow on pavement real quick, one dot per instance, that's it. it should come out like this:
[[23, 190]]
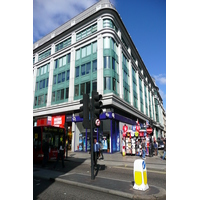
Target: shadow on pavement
[[40, 184]]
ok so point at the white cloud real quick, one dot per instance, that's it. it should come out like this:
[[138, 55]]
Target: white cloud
[[162, 94], [50, 14], [161, 79]]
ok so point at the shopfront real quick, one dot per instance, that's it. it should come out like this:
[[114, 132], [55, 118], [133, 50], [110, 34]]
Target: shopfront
[[109, 133]]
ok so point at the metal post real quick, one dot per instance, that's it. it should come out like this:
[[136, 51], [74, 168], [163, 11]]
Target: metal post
[[91, 132]]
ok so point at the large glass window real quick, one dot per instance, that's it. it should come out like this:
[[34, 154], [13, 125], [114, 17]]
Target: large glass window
[[62, 94], [94, 85], [59, 78], [67, 78], [78, 54], [82, 88], [94, 65], [53, 96], [77, 71], [67, 93], [95, 47], [107, 62], [88, 68], [88, 87], [76, 93], [106, 42], [107, 83], [82, 70], [54, 79], [63, 76]]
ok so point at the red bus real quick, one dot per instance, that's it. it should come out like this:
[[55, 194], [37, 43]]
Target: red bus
[[53, 134]]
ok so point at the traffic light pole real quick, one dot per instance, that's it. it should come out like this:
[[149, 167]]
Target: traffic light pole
[[91, 132]]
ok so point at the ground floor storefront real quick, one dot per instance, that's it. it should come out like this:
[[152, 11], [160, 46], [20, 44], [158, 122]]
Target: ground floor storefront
[[110, 132]]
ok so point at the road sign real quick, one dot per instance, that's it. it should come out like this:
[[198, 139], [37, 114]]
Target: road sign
[[149, 130], [97, 122]]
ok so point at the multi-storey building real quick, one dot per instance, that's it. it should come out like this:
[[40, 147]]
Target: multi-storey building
[[93, 51]]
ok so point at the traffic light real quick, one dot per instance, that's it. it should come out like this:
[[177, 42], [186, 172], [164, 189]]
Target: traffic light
[[84, 110], [96, 106]]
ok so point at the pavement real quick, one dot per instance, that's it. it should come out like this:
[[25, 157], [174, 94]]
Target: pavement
[[121, 188]]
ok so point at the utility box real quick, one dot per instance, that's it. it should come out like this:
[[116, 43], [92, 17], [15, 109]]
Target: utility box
[[140, 175]]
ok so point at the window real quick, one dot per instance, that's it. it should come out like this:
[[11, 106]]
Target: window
[[67, 93], [82, 88], [62, 94], [95, 47], [82, 70], [45, 98], [107, 83], [68, 58], [77, 71], [94, 65], [39, 100], [88, 68], [78, 54], [63, 44], [83, 52], [106, 43], [56, 64], [54, 79], [107, 62], [43, 83], [88, 87], [86, 32], [76, 90], [58, 95], [67, 78], [44, 54], [45, 69], [114, 85], [47, 82], [53, 96], [88, 50], [113, 63], [36, 87], [94, 85], [59, 78], [38, 71], [63, 76], [42, 71], [35, 101]]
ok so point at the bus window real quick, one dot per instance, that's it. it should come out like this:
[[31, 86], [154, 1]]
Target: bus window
[[37, 139]]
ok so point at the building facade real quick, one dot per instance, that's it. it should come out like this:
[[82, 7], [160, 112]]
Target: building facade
[[93, 51]]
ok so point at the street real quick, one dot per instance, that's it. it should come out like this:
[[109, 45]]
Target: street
[[45, 189]]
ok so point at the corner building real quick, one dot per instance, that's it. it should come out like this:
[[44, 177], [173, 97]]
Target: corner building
[[93, 51]]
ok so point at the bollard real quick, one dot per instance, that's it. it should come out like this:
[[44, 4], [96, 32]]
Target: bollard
[[140, 175]]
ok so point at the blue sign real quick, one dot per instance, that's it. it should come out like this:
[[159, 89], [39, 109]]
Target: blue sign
[[143, 165], [134, 128]]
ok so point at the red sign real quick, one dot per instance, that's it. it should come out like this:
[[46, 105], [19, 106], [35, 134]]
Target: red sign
[[97, 122], [149, 130], [58, 121], [125, 128]]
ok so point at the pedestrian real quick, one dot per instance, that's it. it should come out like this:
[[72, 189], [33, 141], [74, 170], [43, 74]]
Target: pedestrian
[[164, 154], [45, 149], [155, 148], [143, 149], [152, 148], [60, 154], [101, 151], [96, 152]]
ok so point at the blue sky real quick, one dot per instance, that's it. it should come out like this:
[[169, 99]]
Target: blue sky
[[145, 20]]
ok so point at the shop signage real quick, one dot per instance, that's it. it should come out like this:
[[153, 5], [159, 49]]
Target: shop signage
[[58, 121], [149, 130]]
